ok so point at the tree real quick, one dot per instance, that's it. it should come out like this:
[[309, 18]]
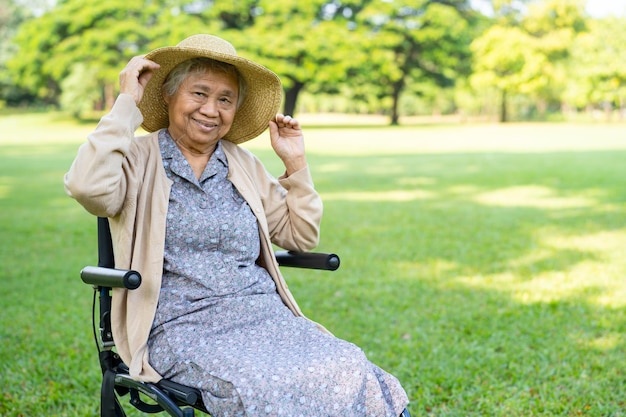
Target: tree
[[527, 54], [427, 41], [11, 17], [306, 46], [554, 24], [509, 60], [91, 38], [598, 76]]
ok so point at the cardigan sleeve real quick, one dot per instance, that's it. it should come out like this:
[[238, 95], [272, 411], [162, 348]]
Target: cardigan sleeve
[[295, 222], [289, 209], [292, 209], [97, 179]]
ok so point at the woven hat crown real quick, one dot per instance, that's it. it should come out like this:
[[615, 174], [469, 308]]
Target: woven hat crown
[[209, 43], [263, 87]]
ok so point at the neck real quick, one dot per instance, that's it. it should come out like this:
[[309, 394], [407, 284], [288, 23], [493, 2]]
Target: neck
[[197, 158], [197, 161]]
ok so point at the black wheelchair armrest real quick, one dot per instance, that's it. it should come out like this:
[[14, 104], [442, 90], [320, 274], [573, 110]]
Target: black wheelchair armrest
[[109, 277], [311, 260]]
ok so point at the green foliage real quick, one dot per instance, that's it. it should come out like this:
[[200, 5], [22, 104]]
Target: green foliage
[[102, 36], [543, 18], [307, 44], [377, 54], [530, 58], [425, 43], [80, 91], [11, 17], [599, 75], [305, 48], [510, 60]]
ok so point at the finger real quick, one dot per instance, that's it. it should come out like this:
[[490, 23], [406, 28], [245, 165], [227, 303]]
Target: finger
[[287, 121], [292, 123], [139, 64], [145, 76], [273, 129], [295, 123], [279, 118], [134, 77]]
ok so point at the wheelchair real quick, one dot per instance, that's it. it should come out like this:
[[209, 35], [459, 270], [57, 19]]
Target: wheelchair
[[175, 399], [165, 396]]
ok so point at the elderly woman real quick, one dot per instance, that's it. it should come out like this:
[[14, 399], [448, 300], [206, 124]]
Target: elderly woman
[[197, 215]]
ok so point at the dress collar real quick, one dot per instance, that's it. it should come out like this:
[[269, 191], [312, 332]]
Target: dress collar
[[174, 160]]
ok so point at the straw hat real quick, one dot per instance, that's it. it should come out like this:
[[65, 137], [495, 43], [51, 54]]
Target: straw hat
[[263, 87]]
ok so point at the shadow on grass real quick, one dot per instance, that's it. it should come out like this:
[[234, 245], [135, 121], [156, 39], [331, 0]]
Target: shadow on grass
[[490, 283]]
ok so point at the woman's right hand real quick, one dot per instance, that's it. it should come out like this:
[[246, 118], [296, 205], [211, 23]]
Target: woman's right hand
[[135, 76]]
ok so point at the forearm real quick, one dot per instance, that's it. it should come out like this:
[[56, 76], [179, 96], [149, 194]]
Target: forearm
[[294, 164]]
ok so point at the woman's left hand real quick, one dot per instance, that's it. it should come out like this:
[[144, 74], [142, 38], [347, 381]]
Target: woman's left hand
[[288, 142]]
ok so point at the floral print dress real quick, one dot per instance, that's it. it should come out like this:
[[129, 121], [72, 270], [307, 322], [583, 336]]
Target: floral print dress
[[221, 326]]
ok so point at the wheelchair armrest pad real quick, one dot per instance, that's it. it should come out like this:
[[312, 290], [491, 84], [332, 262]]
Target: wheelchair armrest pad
[[109, 277], [311, 260]]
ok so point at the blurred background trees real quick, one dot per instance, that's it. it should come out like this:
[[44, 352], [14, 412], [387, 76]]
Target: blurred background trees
[[519, 60]]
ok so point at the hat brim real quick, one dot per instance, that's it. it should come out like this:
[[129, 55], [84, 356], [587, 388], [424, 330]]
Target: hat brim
[[260, 105]]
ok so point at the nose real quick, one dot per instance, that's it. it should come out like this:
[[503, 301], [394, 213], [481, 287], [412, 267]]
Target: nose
[[209, 108]]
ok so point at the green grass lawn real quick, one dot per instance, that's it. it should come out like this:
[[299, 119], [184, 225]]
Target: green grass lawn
[[483, 265]]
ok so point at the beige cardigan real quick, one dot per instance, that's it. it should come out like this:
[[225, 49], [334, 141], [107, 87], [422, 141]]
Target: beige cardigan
[[120, 176]]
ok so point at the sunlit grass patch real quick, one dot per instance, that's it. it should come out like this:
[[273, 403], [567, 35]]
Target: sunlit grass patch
[[400, 195], [532, 196], [606, 342]]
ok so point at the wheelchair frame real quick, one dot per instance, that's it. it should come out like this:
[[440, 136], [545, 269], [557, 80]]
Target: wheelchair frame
[[175, 399]]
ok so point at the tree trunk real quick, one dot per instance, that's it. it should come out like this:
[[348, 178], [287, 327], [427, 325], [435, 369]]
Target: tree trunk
[[608, 110], [503, 109], [291, 97], [397, 89], [53, 93]]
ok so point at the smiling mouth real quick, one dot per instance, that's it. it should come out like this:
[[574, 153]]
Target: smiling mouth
[[205, 125]]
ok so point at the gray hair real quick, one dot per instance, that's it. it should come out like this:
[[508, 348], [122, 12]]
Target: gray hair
[[198, 66]]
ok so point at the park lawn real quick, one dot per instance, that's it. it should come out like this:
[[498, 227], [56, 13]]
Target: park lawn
[[483, 265]]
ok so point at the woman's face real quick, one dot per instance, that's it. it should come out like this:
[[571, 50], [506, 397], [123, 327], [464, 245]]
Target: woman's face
[[202, 110]]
